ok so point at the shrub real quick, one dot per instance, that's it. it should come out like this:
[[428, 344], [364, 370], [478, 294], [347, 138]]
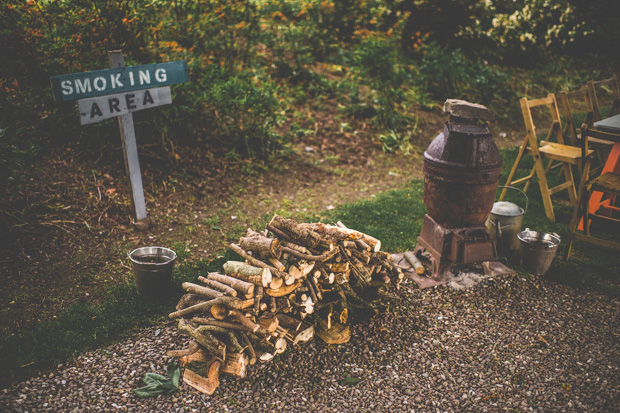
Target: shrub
[[241, 110], [448, 74]]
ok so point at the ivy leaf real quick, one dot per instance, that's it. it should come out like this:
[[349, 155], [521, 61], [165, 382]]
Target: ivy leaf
[[350, 381]]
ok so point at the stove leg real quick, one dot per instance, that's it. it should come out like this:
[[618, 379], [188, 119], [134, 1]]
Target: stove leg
[[439, 268]]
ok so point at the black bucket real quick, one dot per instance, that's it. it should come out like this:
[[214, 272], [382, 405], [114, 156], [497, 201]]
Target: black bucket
[[152, 269]]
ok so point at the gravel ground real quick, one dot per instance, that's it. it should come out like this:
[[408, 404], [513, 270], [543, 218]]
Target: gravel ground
[[508, 343]]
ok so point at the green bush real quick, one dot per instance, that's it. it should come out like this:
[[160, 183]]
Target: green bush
[[378, 64], [448, 74], [241, 111]]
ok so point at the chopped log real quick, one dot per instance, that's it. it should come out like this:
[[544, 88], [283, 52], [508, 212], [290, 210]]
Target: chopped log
[[282, 291], [200, 290], [276, 263], [249, 349], [205, 339], [269, 323], [218, 286], [236, 365], [415, 262], [311, 291], [206, 385], [349, 244], [308, 257], [255, 262], [255, 275], [383, 277], [289, 279], [315, 287], [307, 305], [276, 282], [361, 256], [294, 272], [219, 312], [362, 245], [299, 234], [209, 328], [239, 285], [277, 347], [234, 342], [283, 236], [272, 305], [338, 267], [328, 230], [257, 299], [226, 325], [264, 356], [295, 247], [247, 303], [326, 276], [299, 330], [261, 246], [188, 300], [249, 324], [191, 349], [373, 242], [337, 334], [230, 302], [306, 268], [280, 345]]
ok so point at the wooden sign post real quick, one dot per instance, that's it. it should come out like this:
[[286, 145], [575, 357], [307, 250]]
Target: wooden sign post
[[118, 92]]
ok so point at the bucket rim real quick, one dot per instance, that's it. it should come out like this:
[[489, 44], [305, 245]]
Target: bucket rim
[[531, 235], [172, 256]]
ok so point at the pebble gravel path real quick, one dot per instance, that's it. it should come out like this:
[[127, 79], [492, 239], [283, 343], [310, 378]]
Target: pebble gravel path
[[506, 344]]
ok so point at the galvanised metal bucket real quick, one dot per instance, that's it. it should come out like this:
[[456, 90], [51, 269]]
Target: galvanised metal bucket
[[152, 269], [537, 250], [504, 224]]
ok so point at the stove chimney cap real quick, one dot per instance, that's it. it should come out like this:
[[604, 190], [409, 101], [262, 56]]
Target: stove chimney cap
[[466, 110]]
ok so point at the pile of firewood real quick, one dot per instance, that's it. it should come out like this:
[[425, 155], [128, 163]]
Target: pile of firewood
[[301, 279]]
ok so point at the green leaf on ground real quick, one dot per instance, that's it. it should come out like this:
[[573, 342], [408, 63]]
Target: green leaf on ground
[[157, 384]]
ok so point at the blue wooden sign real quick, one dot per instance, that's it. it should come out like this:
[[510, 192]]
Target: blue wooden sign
[[118, 80]]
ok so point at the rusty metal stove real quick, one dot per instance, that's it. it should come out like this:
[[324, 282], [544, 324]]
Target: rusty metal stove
[[461, 172]]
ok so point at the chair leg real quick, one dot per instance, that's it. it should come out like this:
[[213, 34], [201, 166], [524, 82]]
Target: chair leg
[[528, 181], [544, 189], [568, 175], [586, 212], [514, 168], [575, 221]]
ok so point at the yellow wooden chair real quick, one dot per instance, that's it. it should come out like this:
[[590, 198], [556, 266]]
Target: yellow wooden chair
[[608, 183], [566, 154], [581, 100], [601, 92]]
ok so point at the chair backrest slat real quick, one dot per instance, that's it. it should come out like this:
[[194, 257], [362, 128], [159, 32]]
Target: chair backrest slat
[[594, 104], [556, 125], [570, 130]]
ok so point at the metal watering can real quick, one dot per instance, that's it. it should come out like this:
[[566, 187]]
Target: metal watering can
[[506, 222]]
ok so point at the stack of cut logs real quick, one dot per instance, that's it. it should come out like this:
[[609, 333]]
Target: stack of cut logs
[[301, 277]]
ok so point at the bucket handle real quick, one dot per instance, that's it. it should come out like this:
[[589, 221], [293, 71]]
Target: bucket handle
[[517, 189]]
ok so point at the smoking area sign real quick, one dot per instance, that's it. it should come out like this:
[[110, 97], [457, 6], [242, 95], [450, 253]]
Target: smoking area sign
[[125, 79], [118, 92]]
